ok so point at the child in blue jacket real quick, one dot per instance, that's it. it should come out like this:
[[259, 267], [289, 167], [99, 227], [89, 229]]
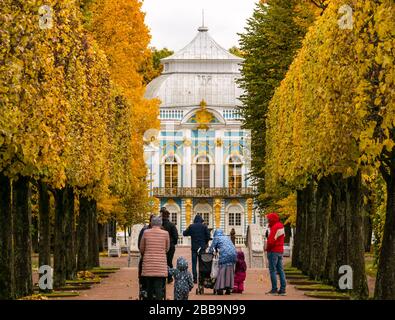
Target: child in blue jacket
[[183, 282]]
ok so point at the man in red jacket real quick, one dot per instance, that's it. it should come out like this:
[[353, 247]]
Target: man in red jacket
[[275, 250]]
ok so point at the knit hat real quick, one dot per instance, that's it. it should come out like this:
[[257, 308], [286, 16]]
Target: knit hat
[[182, 264], [156, 221]]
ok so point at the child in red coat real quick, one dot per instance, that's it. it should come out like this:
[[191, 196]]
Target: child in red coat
[[240, 273]]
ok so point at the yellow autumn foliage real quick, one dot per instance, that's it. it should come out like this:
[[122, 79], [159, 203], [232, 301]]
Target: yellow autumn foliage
[[118, 27], [34, 110], [287, 209], [53, 99], [72, 107], [322, 118]]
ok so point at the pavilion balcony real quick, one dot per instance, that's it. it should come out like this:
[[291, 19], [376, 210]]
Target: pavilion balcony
[[203, 192]]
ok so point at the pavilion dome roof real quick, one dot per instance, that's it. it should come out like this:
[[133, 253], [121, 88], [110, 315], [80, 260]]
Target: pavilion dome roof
[[203, 47], [202, 70]]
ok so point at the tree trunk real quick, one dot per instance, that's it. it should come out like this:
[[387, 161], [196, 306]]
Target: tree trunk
[[368, 225], [34, 234], [59, 239], [348, 237], [385, 281], [44, 247], [330, 271], [107, 235], [320, 237], [287, 231], [83, 234], [93, 253], [113, 229], [22, 237], [296, 251], [308, 227], [312, 241], [6, 252], [88, 248], [65, 265], [357, 249], [101, 231], [70, 259]]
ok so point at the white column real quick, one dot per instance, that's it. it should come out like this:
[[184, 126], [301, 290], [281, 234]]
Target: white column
[[187, 160], [219, 161], [247, 158], [186, 240], [155, 168], [245, 218], [182, 224], [222, 224]]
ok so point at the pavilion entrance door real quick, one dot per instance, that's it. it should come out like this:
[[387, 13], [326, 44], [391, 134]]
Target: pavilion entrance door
[[234, 219], [175, 215]]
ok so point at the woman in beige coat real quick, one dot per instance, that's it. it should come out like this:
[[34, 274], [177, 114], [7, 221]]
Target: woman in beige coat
[[153, 246]]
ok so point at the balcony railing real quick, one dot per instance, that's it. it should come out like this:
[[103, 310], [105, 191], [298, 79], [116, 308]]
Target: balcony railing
[[203, 192], [240, 240]]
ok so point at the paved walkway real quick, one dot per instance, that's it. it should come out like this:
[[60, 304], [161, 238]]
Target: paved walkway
[[123, 285]]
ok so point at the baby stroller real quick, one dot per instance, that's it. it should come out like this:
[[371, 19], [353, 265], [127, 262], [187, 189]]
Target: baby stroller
[[205, 261]]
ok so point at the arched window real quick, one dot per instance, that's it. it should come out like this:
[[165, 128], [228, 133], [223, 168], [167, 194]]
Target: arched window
[[175, 215], [171, 172], [234, 219], [203, 172], [174, 218], [235, 173]]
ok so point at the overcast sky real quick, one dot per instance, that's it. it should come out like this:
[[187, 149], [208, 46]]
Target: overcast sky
[[174, 23]]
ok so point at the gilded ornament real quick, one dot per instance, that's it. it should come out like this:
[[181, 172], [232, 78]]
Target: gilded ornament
[[187, 142], [203, 117]]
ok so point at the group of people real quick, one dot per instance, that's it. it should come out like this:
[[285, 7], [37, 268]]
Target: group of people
[[157, 242]]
